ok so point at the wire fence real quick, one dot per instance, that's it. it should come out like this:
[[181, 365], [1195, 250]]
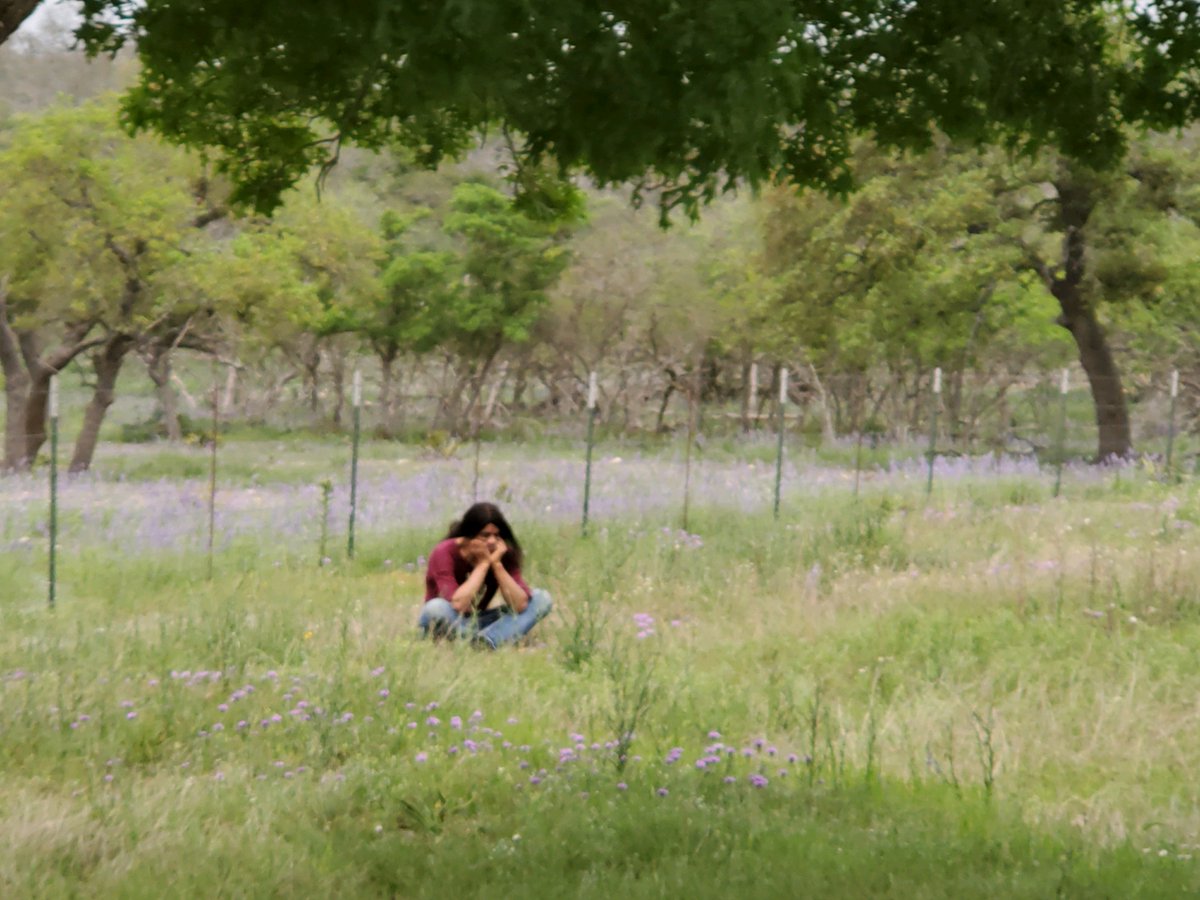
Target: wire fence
[[783, 449]]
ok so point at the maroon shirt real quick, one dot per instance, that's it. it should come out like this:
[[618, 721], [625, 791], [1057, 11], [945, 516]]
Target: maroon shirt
[[447, 570]]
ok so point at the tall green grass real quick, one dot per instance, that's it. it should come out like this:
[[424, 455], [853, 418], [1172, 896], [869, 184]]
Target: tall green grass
[[990, 694]]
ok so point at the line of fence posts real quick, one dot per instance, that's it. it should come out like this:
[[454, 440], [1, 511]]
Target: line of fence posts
[[1060, 438], [592, 408]]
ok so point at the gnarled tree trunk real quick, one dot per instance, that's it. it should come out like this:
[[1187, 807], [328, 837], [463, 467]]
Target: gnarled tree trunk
[[40, 369], [16, 388], [387, 360], [12, 14], [338, 368], [158, 366], [311, 360], [1108, 395], [1076, 200], [108, 362], [748, 387], [229, 396]]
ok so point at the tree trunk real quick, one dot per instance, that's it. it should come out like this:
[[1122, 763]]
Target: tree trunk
[[828, 432], [339, 387], [387, 359], [749, 388], [1108, 396], [158, 366], [450, 386], [311, 361], [1076, 200], [230, 394], [16, 390], [623, 397], [521, 379], [471, 417], [660, 421], [39, 370], [12, 14], [108, 365], [494, 393], [35, 417]]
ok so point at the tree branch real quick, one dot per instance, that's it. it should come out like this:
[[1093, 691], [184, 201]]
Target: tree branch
[[12, 14]]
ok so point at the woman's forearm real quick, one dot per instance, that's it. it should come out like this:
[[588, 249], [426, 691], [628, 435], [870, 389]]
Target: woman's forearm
[[514, 595], [464, 596]]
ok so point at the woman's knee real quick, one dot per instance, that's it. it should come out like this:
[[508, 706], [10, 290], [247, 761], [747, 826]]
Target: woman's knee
[[541, 603], [436, 611]]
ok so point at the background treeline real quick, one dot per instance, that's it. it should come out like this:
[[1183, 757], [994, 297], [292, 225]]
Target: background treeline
[[121, 256]]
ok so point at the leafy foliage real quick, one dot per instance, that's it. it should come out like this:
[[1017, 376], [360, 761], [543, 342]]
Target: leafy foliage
[[957, 259], [508, 261], [686, 98]]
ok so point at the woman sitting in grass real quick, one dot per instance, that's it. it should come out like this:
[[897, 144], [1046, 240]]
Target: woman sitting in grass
[[478, 559]]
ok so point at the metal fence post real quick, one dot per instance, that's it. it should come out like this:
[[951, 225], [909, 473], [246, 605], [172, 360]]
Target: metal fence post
[[1063, 387], [356, 399], [591, 430], [212, 470], [53, 488], [937, 394], [1171, 422], [783, 388]]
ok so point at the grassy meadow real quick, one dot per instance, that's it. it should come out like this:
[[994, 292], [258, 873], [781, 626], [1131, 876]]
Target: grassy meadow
[[987, 692]]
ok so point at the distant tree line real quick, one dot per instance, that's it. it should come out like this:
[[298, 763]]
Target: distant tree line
[[987, 265]]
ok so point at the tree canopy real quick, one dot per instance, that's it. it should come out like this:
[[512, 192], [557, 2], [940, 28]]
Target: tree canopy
[[685, 100]]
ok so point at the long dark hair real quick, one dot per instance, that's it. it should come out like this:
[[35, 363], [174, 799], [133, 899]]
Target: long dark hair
[[479, 517]]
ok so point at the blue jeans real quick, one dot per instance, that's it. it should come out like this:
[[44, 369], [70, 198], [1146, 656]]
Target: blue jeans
[[490, 627]]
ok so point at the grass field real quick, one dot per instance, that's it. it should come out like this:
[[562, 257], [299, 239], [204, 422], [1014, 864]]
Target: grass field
[[989, 692]]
